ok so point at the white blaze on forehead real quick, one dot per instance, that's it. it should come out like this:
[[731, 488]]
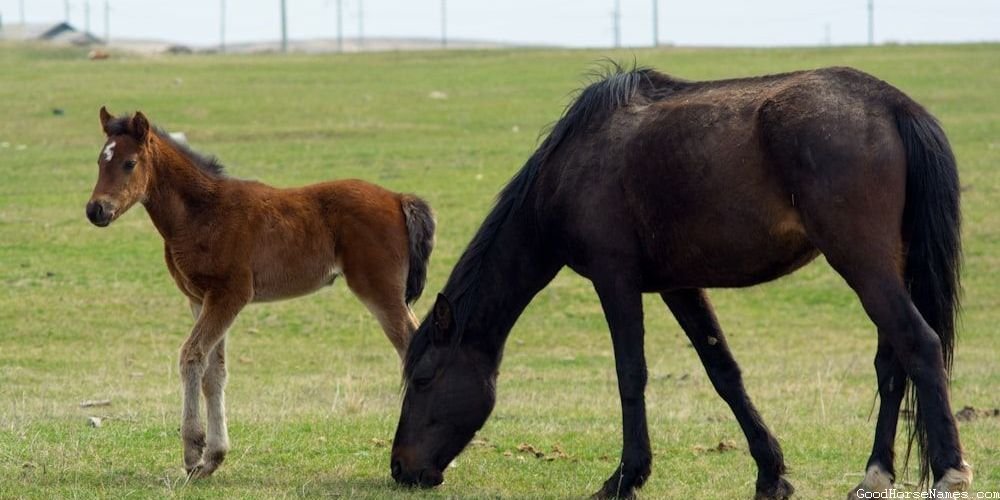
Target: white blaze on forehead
[[109, 151]]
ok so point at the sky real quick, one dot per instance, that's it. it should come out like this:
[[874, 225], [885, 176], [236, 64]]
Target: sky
[[576, 23]]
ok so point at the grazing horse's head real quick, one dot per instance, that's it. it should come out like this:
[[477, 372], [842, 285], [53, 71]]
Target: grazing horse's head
[[123, 168], [450, 391]]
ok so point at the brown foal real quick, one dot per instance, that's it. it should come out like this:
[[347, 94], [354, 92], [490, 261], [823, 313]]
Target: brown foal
[[230, 242]]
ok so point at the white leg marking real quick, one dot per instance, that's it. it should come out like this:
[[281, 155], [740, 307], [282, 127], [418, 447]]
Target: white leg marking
[[876, 480], [955, 480]]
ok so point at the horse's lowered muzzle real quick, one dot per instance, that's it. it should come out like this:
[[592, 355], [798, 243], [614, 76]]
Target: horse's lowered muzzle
[[424, 478], [99, 213]]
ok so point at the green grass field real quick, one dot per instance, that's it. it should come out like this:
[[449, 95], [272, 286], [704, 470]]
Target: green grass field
[[88, 313]]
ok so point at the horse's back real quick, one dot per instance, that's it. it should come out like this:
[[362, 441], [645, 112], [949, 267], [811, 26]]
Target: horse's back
[[697, 183]]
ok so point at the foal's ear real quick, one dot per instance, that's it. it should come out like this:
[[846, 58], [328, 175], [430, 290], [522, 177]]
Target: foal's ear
[[140, 127], [443, 321], [105, 118]]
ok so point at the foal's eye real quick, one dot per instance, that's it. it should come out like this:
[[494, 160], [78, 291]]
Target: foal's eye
[[129, 165]]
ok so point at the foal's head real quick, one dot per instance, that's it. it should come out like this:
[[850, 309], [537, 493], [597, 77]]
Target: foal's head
[[123, 167], [450, 392]]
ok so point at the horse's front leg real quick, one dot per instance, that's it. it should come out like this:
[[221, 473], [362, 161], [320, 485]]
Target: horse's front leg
[[197, 368], [694, 313], [622, 303]]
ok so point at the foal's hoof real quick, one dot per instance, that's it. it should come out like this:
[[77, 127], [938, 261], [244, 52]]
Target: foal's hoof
[[207, 467], [202, 470], [955, 480], [779, 490]]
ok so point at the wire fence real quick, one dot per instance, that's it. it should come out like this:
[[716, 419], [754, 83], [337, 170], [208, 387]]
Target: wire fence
[[598, 23]]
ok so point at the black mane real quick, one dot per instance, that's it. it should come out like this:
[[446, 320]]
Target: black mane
[[207, 163], [612, 87]]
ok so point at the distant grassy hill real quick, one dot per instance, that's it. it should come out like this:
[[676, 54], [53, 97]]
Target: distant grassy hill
[[313, 394]]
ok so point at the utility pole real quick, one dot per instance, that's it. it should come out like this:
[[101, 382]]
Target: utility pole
[[66, 8], [656, 23], [361, 24], [284, 28], [107, 22], [444, 24], [222, 26], [340, 25], [616, 17], [86, 16], [22, 13], [871, 22]]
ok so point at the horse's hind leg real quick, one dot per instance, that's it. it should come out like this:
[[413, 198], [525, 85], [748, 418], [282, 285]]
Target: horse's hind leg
[[853, 214], [889, 373], [694, 313]]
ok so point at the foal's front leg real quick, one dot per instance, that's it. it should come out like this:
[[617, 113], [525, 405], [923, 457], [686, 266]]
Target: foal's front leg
[[622, 304], [216, 315], [213, 385]]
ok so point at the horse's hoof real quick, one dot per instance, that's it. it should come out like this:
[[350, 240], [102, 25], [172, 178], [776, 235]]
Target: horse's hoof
[[780, 490], [604, 494], [624, 482], [877, 480], [955, 480]]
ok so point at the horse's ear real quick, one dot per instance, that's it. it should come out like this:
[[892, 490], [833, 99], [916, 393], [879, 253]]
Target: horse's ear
[[443, 321], [140, 127], [105, 118]]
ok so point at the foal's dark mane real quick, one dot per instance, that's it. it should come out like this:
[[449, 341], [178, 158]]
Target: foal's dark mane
[[207, 163], [611, 88]]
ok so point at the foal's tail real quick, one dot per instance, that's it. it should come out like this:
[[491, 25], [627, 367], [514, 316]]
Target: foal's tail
[[420, 228], [931, 222]]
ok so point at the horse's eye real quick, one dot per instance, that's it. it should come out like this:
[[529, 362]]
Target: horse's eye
[[129, 165], [422, 382]]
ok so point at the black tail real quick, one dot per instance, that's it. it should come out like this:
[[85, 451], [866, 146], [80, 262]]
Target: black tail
[[420, 228], [931, 221]]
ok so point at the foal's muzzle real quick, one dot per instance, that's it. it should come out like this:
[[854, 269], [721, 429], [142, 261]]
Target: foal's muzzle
[[100, 213]]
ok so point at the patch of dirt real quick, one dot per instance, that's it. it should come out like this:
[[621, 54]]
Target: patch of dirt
[[556, 453], [480, 442], [722, 447], [968, 414]]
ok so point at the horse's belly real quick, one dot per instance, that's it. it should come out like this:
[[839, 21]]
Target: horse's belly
[[706, 255]]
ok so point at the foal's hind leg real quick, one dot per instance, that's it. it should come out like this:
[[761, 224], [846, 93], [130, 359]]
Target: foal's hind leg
[[694, 313], [383, 294]]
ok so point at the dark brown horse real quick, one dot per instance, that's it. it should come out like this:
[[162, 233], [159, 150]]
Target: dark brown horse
[[654, 184], [229, 242]]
